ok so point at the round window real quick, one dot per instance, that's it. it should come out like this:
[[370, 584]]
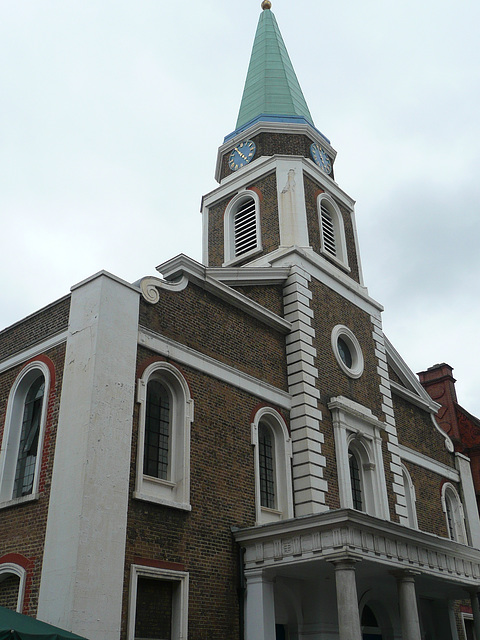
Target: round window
[[347, 351]]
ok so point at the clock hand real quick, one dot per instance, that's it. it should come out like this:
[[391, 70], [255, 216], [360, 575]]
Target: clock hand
[[240, 154]]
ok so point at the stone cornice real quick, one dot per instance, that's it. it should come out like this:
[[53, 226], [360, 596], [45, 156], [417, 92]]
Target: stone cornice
[[325, 536], [238, 276], [264, 165], [182, 268], [272, 127]]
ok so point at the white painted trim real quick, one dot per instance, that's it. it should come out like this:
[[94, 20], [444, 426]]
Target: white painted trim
[[10, 568], [33, 352], [229, 256], [263, 166], [347, 335], [325, 272], [472, 519], [339, 231], [282, 466], [180, 599], [199, 274], [428, 463], [410, 497], [13, 428], [239, 276], [92, 457], [354, 423], [175, 491], [292, 212], [109, 276], [408, 378], [450, 494], [322, 536], [214, 368]]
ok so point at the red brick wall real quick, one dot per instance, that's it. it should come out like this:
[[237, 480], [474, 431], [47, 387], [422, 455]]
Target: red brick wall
[[35, 328], [199, 320], [22, 527]]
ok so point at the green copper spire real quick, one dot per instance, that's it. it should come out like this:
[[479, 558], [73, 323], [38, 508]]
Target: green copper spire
[[271, 87]]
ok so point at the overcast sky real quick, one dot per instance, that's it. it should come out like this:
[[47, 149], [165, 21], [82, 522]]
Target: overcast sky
[[111, 113]]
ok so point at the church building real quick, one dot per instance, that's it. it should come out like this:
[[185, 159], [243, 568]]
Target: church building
[[234, 450]]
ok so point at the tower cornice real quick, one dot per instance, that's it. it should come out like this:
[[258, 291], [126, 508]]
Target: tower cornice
[[260, 126]]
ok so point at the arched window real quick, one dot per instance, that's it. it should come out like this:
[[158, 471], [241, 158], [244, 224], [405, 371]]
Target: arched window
[[332, 231], [410, 499], [272, 455], [370, 626], [20, 457], [12, 586], [358, 452], [156, 459], [453, 509], [266, 454], [242, 227], [163, 460], [355, 480]]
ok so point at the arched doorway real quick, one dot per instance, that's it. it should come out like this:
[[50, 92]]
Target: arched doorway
[[370, 627]]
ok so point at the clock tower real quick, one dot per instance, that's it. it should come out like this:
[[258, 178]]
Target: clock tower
[[279, 206]]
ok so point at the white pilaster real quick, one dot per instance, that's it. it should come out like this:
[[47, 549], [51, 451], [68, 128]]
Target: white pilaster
[[470, 501], [83, 566], [309, 484], [259, 607], [292, 212]]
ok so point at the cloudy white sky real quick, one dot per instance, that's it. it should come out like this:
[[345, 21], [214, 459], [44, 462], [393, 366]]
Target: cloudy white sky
[[111, 113]]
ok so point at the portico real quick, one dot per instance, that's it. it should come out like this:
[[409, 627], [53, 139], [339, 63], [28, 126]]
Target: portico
[[340, 562]]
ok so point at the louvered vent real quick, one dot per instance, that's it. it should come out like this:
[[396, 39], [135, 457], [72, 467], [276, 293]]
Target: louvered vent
[[328, 231], [245, 222]]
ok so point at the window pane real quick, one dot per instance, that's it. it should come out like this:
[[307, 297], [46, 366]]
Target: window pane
[[157, 431], [266, 461], [355, 482], [27, 450], [153, 618]]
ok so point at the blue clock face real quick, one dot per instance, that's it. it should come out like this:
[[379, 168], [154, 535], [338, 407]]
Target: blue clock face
[[242, 155], [320, 157]]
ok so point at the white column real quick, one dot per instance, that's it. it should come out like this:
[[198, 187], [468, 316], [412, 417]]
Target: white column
[[83, 567], [347, 600], [407, 601], [259, 607], [476, 612]]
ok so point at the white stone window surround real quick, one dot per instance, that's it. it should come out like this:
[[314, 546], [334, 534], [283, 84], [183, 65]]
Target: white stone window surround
[[452, 506], [282, 467], [341, 257], [175, 491], [13, 428], [410, 498], [357, 429], [343, 332], [180, 598], [229, 228], [8, 569]]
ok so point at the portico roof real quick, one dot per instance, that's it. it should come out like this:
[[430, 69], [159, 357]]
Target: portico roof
[[299, 547]]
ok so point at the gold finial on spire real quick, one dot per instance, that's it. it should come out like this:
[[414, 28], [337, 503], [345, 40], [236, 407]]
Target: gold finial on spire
[[266, 4]]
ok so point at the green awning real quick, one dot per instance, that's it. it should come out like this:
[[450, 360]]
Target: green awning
[[15, 626]]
